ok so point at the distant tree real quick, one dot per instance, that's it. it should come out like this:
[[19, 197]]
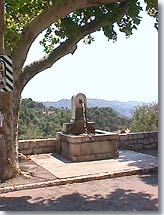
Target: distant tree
[[35, 122], [145, 118], [107, 119]]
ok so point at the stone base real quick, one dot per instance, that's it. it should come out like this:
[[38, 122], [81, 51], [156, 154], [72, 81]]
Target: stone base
[[77, 127], [94, 157], [101, 145]]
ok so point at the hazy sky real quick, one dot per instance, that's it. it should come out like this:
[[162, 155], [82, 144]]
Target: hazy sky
[[126, 70]]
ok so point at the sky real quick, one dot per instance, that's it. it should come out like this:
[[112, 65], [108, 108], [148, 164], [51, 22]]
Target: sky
[[126, 70]]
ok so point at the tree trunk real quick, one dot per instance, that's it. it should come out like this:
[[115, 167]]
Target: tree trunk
[[9, 102]]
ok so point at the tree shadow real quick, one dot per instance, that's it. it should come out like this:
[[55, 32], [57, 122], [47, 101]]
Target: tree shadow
[[61, 158], [151, 179], [153, 152], [137, 159], [119, 200]]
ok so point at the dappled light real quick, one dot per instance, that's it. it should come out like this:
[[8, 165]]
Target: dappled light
[[119, 200]]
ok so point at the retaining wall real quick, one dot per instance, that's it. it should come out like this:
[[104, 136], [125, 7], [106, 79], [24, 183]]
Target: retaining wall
[[132, 141]]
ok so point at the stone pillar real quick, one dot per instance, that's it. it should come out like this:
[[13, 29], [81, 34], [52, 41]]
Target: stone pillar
[[76, 104], [78, 124]]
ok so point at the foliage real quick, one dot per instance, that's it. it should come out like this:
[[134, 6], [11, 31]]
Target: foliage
[[70, 26], [37, 121], [19, 13], [145, 118], [152, 10], [107, 119]]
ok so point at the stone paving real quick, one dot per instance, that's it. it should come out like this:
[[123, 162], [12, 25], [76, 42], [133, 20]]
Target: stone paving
[[127, 162], [66, 171]]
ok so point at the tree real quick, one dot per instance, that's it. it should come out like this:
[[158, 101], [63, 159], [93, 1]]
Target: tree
[[145, 118], [65, 22], [37, 121]]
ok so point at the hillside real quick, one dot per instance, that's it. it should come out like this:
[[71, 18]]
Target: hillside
[[123, 108], [37, 121]]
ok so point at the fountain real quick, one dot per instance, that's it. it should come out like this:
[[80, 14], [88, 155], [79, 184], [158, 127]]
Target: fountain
[[80, 141]]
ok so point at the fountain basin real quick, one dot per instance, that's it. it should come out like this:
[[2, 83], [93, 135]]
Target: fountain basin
[[87, 147]]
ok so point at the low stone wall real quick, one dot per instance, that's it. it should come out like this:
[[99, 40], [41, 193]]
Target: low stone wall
[[138, 141], [37, 146], [132, 141]]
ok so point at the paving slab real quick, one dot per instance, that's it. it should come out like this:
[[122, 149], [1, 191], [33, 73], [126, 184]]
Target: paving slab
[[128, 161], [68, 172]]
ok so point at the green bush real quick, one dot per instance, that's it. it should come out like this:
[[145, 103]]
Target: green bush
[[145, 118]]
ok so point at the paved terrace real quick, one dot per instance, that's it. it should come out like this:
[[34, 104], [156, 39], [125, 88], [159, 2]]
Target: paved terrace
[[66, 171], [128, 162]]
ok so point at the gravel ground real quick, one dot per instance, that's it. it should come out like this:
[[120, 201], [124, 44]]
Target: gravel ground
[[129, 193], [32, 173]]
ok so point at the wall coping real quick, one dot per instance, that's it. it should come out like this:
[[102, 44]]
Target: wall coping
[[38, 139]]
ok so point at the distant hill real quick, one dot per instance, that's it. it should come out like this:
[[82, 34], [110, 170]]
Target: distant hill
[[123, 108]]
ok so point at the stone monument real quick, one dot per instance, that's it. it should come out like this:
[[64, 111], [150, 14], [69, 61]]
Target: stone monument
[[78, 123], [80, 141]]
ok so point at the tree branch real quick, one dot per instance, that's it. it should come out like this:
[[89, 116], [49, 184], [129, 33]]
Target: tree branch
[[69, 46], [40, 23]]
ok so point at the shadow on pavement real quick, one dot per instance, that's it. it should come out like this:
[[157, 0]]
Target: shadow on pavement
[[137, 159], [61, 158], [151, 179], [119, 200]]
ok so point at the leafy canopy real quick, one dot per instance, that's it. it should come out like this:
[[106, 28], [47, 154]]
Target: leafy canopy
[[20, 12], [145, 118]]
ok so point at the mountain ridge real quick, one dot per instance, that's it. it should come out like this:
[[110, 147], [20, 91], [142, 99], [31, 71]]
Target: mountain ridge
[[123, 108]]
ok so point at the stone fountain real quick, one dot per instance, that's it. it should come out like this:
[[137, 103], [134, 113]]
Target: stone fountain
[[80, 141]]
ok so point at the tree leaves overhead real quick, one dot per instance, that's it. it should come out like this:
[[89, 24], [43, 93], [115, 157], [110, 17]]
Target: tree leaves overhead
[[152, 10], [20, 12], [132, 19], [70, 26]]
